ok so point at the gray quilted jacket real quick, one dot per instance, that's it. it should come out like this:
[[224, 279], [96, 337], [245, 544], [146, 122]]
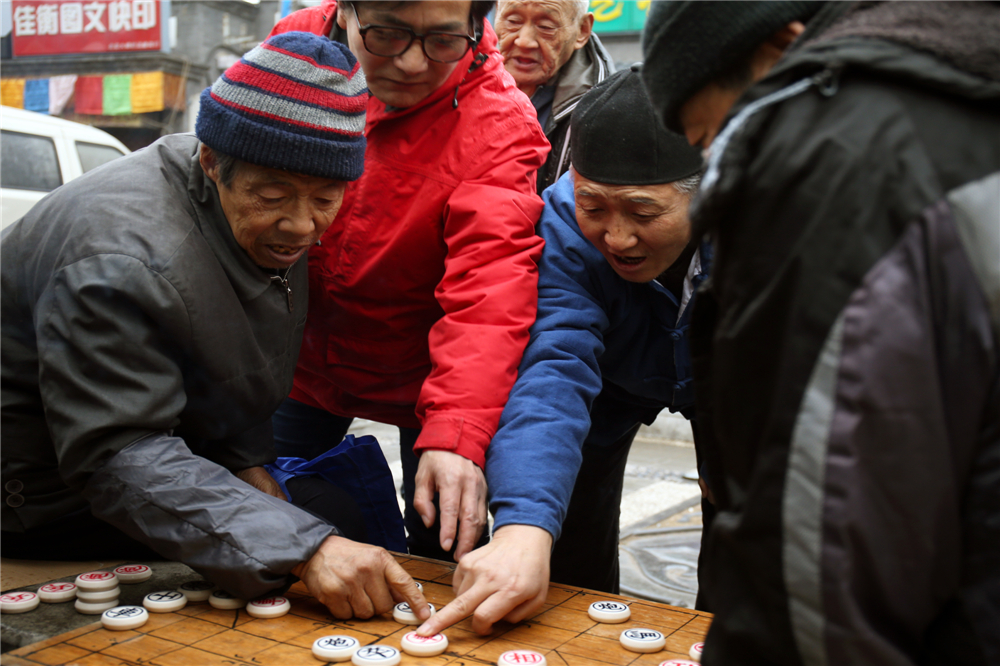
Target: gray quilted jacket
[[143, 353]]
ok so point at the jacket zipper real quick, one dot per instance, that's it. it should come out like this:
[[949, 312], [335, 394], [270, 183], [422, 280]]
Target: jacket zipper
[[282, 281]]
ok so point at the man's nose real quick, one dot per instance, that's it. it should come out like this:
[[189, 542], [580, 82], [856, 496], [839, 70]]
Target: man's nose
[[300, 219], [619, 235], [412, 60], [527, 37]]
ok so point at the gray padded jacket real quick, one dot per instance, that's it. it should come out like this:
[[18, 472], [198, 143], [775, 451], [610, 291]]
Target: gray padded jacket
[[143, 353]]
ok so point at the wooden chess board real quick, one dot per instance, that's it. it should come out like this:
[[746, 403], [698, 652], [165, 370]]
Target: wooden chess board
[[199, 635]]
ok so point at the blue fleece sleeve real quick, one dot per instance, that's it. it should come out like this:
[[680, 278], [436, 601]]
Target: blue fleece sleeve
[[533, 460]]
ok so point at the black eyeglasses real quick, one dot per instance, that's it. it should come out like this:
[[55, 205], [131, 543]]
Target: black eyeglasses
[[388, 42]]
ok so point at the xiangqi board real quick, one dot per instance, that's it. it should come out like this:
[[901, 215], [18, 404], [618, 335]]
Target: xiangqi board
[[200, 635]]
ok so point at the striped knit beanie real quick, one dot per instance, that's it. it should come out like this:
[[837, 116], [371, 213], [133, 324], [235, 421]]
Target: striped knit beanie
[[296, 102]]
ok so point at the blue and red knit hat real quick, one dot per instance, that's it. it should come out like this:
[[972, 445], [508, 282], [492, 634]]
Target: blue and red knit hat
[[295, 102]]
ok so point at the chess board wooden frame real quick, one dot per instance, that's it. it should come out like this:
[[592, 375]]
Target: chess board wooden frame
[[199, 635]]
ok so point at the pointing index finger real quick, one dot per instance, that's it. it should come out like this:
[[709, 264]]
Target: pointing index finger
[[402, 587], [459, 609]]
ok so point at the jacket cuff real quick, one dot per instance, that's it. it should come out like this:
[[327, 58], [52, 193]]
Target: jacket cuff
[[550, 524], [455, 434], [192, 511]]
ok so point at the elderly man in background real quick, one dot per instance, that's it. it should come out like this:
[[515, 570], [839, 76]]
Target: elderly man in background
[[549, 48], [152, 313], [608, 352]]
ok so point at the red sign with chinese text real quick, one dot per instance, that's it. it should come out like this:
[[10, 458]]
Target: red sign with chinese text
[[53, 27]]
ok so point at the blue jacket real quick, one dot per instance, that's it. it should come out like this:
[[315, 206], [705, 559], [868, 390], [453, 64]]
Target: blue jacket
[[595, 332]]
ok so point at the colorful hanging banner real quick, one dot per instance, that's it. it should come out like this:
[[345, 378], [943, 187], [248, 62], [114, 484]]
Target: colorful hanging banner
[[147, 92], [174, 92], [108, 95], [60, 92], [12, 93], [117, 96], [36, 95], [90, 95]]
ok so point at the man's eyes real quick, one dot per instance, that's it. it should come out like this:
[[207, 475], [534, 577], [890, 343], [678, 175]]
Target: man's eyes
[[388, 34], [545, 27]]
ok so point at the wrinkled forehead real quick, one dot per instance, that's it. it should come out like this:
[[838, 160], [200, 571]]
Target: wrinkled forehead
[[658, 194], [255, 175], [561, 11]]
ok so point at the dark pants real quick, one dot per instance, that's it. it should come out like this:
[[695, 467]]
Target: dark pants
[[306, 432], [586, 554], [81, 536], [707, 516]]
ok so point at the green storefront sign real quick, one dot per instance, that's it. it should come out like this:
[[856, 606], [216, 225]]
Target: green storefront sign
[[619, 15]]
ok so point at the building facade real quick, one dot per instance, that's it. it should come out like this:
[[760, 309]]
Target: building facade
[[133, 68]]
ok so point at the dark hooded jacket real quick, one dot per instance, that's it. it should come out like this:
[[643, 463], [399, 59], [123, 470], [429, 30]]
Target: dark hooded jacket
[[846, 347]]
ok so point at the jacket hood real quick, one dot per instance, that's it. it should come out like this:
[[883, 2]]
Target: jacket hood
[[947, 46], [586, 68]]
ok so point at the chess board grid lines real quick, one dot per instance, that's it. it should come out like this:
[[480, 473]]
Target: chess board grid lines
[[200, 635]]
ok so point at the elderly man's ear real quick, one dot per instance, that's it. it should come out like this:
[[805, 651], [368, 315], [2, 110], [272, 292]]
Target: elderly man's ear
[[586, 28], [209, 163]]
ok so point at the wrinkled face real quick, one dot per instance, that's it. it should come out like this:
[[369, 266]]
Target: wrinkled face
[[640, 229], [408, 78], [702, 115], [276, 216], [537, 37]]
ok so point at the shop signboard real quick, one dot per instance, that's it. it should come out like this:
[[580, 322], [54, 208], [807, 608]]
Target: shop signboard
[[619, 15], [55, 27]]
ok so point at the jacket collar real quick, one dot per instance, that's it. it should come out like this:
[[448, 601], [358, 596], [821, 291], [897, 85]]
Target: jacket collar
[[895, 43], [248, 279], [585, 69]]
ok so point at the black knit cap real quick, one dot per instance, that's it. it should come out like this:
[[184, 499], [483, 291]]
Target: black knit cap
[[616, 139], [689, 44]]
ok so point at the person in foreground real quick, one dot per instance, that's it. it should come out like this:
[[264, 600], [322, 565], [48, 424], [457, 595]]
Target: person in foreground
[[847, 345], [609, 351], [424, 288], [152, 312], [550, 49]]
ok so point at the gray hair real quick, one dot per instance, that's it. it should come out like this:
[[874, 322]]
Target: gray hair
[[228, 165], [688, 185], [580, 8]]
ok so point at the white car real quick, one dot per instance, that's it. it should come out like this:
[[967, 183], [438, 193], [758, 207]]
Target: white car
[[38, 153]]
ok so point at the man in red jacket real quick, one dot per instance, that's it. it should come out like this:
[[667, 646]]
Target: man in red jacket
[[424, 287]]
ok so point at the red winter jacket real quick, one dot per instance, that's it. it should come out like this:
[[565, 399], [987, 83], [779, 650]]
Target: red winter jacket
[[424, 287]]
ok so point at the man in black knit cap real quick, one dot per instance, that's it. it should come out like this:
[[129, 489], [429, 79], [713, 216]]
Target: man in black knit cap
[[608, 351], [846, 348]]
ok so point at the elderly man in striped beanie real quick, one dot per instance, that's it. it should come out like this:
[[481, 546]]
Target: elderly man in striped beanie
[[152, 312]]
